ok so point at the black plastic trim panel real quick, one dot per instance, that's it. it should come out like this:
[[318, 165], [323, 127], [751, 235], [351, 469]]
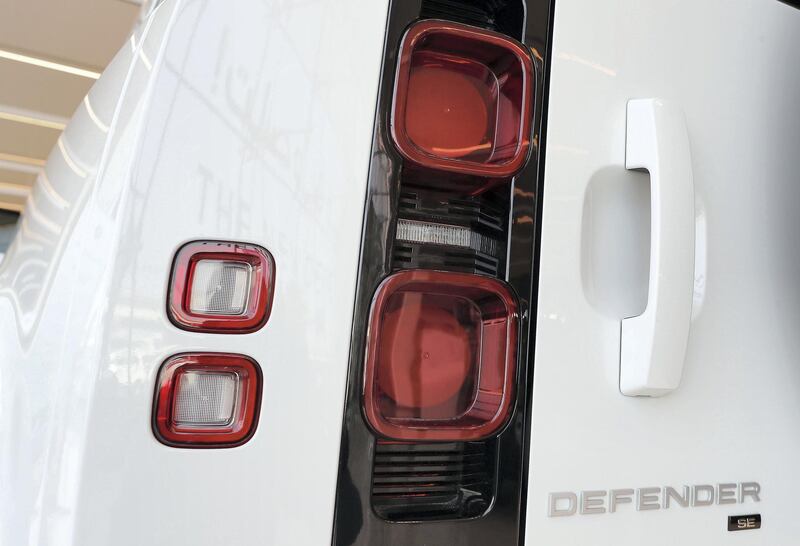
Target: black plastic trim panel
[[502, 523]]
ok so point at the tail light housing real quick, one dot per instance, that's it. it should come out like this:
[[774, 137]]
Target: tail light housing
[[221, 287], [436, 445], [441, 356], [462, 101], [207, 400]]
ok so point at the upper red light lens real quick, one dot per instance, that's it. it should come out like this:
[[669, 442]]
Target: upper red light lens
[[441, 356], [221, 287], [463, 100], [451, 107]]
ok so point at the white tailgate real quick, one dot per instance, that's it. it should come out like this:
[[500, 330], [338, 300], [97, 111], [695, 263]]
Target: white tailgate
[[732, 66]]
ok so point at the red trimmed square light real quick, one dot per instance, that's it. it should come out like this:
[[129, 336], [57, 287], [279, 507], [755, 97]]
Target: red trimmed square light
[[441, 356], [207, 400], [463, 100], [221, 287]]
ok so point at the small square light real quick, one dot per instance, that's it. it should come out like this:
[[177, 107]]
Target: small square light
[[221, 287], [207, 400], [463, 100], [441, 356]]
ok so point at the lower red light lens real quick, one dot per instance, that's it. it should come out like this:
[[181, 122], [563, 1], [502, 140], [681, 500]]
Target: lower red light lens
[[207, 400], [422, 335], [441, 356]]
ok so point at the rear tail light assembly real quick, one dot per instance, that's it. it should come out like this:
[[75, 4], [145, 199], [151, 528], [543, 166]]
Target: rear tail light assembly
[[441, 355], [207, 400], [437, 410]]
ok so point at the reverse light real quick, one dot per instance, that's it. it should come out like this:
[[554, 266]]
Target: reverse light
[[415, 231], [221, 287], [463, 100], [207, 400], [441, 356]]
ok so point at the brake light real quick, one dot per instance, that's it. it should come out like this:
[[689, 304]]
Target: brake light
[[441, 356], [463, 100], [207, 400], [221, 287]]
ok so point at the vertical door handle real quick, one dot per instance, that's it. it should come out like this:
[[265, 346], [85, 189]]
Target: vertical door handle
[[653, 344]]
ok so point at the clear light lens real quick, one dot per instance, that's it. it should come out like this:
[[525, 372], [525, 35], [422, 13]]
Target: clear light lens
[[205, 399], [220, 287], [442, 234]]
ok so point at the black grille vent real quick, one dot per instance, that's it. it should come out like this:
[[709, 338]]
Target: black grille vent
[[416, 482], [417, 256], [505, 16], [487, 213]]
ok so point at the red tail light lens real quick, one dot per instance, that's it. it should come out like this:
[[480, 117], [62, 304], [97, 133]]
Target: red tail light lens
[[463, 100], [221, 287], [207, 400], [441, 356]]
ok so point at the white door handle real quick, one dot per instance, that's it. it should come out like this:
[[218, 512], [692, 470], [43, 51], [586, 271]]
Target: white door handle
[[653, 344]]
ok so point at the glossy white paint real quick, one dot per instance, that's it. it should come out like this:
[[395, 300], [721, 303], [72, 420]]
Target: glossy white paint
[[653, 344], [222, 120], [247, 121], [731, 67]]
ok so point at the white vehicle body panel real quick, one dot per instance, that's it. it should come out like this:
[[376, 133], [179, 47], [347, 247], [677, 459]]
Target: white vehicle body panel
[[261, 133], [732, 67], [253, 122]]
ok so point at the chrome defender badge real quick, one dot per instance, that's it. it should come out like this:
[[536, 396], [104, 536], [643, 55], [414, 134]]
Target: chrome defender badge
[[569, 503]]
